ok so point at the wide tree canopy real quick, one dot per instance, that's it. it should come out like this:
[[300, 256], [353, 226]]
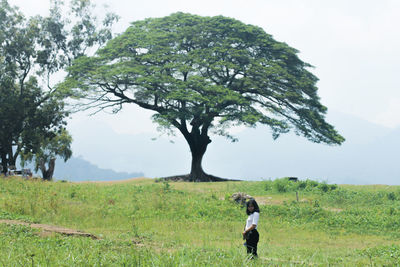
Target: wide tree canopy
[[202, 75]]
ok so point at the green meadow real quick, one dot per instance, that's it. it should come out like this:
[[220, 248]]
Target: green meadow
[[143, 222]]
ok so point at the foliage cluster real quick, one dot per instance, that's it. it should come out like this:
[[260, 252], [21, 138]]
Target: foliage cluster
[[201, 75], [32, 51], [283, 185]]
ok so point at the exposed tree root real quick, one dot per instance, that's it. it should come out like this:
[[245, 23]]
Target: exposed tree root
[[189, 178]]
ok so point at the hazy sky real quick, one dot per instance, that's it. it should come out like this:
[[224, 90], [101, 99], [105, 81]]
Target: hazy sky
[[354, 46]]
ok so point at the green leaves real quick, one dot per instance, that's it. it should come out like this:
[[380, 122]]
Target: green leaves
[[207, 72], [31, 51], [48, 148]]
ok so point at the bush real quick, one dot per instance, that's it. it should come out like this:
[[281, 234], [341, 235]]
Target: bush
[[391, 196], [324, 187], [302, 185], [281, 185], [311, 183], [284, 185], [268, 185]]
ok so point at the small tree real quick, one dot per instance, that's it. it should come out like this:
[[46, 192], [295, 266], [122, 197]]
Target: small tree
[[202, 75], [59, 145]]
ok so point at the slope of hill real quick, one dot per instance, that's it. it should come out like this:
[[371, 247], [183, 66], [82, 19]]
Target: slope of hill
[[79, 169]]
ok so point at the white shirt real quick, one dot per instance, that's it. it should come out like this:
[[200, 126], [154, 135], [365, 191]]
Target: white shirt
[[252, 219]]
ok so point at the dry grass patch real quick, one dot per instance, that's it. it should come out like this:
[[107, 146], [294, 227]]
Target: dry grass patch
[[125, 181]]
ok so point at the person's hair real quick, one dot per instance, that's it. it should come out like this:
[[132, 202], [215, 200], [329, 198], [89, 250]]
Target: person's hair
[[252, 202]]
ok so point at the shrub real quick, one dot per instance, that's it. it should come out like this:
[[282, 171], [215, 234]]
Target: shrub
[[302, 185], [281, 185], [391, 196], [311, 183], [334, 187], [268, 185], [324, 187], [284, 185]]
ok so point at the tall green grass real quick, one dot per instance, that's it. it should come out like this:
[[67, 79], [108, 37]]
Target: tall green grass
[[143, 223]]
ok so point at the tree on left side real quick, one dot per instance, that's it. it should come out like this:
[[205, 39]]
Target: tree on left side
[[32, 52], [49, 148]]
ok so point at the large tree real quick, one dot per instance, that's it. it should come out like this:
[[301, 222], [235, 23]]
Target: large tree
[[202, 75], [26, 118], [32, 51]]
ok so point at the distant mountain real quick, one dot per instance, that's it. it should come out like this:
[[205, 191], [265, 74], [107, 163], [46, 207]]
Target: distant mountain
[[368, 156], [79, 169]]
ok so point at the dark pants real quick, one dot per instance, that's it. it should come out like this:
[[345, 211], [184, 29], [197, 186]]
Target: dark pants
[[252, 241]]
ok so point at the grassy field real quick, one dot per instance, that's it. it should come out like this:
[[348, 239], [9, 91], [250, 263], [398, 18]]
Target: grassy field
[[144, 223]]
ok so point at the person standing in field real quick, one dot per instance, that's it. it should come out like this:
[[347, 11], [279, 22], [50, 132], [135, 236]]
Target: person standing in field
[[250, 232]]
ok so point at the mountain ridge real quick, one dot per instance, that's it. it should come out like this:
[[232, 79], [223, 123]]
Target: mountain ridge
[[77, 169]]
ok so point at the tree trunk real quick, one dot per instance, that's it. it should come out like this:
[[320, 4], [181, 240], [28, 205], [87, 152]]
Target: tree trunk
[[198, 142], [7, 158], [197, 173], [198, 145], [12, 161], [48, 173], [4, 163]]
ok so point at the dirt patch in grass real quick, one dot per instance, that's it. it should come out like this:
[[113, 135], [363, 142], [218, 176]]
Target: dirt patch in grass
[[333, 209], [268, 200], [51, 229], [137, 179]]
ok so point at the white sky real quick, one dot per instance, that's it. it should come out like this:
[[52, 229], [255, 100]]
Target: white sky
[[354, 46]]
